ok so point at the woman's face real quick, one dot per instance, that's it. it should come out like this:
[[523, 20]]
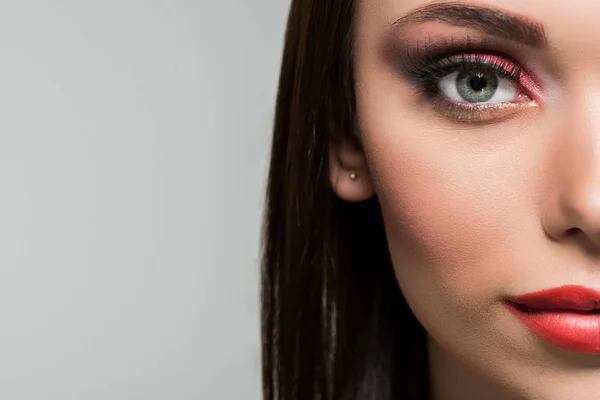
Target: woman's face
[[480, 130]]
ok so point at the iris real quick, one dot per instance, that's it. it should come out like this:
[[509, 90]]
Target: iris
[[476, 86]]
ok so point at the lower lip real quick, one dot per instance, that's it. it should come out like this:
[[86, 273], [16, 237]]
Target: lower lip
[[569, 329]]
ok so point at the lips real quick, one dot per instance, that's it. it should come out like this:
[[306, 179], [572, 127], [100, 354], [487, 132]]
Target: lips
[[577, 298], [567, 316]]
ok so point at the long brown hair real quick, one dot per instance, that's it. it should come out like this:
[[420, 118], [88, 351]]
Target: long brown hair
[[335, 324]]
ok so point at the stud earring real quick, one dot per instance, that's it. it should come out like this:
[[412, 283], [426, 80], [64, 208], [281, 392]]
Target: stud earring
[[353, 176]]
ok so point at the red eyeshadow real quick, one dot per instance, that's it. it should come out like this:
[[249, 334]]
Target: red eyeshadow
[[524, 79]]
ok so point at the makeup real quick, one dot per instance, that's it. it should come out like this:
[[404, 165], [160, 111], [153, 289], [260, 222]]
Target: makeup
[[566, 316], [468, 79]]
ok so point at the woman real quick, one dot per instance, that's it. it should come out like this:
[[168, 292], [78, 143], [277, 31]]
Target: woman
[[432, 227]]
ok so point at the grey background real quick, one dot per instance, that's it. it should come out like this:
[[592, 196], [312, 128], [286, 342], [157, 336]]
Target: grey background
[[134, 138]]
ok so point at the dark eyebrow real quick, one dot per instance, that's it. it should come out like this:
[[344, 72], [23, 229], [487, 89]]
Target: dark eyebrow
[[487, 20]]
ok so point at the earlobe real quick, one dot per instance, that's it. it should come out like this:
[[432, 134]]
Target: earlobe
[[348, 172]]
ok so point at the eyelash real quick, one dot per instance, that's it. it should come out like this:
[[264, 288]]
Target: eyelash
[[426, 70]]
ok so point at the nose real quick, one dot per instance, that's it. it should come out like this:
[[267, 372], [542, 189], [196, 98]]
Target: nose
[[572, 210]]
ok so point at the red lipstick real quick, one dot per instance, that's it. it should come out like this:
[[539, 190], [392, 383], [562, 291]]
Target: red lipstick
[[566, 316]]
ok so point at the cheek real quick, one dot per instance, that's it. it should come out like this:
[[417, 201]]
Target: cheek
[[454, 216], [443, 235]]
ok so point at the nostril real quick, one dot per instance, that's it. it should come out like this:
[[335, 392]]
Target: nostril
[[572, 231]]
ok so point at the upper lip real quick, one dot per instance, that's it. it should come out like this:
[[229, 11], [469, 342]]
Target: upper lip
[[569, 297]]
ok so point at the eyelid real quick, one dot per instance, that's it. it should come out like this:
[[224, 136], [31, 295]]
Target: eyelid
[[413, 58], [424, 64], [502, 65], [433, 69]]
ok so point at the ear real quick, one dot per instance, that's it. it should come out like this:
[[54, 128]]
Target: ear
[[348, 171]]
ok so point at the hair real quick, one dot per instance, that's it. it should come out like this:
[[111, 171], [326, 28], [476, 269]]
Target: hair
[[335, 324]]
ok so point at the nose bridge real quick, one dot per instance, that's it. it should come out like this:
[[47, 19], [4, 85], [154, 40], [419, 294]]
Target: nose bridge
[[579, 144], [576, 166]]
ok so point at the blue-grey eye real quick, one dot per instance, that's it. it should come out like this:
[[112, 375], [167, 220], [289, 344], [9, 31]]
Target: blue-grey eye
[[477, 87]]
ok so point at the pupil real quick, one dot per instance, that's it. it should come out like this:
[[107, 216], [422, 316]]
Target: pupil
[[478, 83]]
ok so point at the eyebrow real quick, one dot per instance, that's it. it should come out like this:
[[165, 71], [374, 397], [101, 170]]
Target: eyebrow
[[487, 20]]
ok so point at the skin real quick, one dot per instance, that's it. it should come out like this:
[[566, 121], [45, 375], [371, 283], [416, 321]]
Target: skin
[[476, 212]]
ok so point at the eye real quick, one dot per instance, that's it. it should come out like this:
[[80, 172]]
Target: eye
[[473, 87], [477, 86]]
